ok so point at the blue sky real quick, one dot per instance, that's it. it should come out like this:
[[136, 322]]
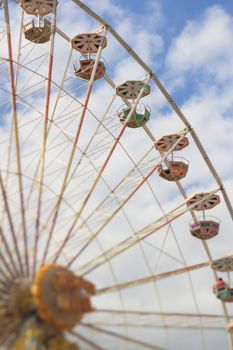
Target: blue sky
[[176, 12], [167, 20]]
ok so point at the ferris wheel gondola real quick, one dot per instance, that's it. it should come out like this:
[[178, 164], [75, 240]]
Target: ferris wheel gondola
[[223, 290], [175, 168], [38, 30], [88, 44], [204, 227]]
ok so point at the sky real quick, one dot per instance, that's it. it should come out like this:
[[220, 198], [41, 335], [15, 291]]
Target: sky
[[188, 45]]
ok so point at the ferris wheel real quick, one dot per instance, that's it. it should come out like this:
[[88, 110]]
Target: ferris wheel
[[106, 238]]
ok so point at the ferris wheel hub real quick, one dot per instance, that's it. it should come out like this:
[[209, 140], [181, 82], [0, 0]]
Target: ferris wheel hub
[[61, 298], [20, 302], [36, 335]]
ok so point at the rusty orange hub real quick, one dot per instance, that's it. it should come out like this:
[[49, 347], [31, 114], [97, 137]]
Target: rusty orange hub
[[61, 297]]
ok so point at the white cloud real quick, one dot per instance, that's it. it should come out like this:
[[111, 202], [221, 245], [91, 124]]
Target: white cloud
[[204, 46]]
